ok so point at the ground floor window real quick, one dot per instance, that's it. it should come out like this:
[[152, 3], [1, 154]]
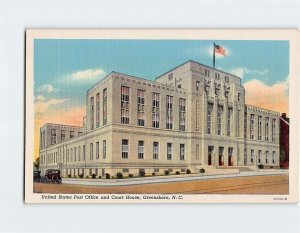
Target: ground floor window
[[267, 156], [141, 150], [274, 157], [124, 149], [182, 152], [155, 150], [259, 156], [169, 151], [252, 156]]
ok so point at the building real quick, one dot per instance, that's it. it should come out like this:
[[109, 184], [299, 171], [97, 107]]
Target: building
[[284, 141], [191, 117]]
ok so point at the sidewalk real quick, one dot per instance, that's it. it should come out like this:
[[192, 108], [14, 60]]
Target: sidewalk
[[165, 179]]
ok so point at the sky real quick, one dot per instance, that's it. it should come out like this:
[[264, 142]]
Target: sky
[[65, 69]]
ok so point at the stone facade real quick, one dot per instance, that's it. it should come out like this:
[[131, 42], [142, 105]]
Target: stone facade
[[191, 117]]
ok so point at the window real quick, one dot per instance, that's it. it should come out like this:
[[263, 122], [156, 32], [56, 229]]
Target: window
[[68, 155], [155, 150], [125, 105], [169, 123], [197, 115], [71, 154], [71, 134], [97, 150], [91, 151], [267, 156], [209, 112], [83, 152], [79, 153], [206, 73], [92, 113], [63, 135], [169, 151], [124, 149], [125, 170], [267, 129], [182, 152], [259, 127], [104, 149], [98, 110], [217, 89], [245, 125], [170, 76], [197, 151], [226, 79], [252, 126], [273, 156], [219, 120], [155, 110], [140, 149], [259, 156], [53, 136], [273, 129], [239, 97], [252, 156], [197, 85], [75, 154], [182, 109], [217, 76], [245, 156], [141, 107], [229, 114], [104, 106]]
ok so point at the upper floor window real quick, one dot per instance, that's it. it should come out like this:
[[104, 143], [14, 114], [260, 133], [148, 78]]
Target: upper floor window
[[197, 85], [217, 76], [72, 134], [104, 106], [92, 113], [209, 112], [63, 135], [91, 151], [53, 136], [155, 110], [219, 120], [98, 110], [259, 127], [182, 109], [125, 92], [252, 126], [206, 73], [239, 97], [170, 76], [226, 79], [104, 149], [229, 114], [141, 107], [169, 121], [273, 129], [267, 128]]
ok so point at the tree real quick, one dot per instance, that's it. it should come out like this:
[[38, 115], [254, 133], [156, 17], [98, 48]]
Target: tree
[[36, 163]]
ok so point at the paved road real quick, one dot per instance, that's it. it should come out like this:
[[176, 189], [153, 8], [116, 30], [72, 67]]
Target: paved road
[[262, 184]]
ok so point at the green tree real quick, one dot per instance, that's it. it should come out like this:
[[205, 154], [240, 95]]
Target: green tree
[[36, 163]]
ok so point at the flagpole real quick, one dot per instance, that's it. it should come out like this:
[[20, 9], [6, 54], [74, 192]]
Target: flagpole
[[214, 56]]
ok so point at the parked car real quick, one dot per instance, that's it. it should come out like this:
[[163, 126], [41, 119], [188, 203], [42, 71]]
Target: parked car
[[52, 176], [37, 176]]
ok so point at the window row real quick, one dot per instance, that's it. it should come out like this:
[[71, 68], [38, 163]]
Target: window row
[[260, 128], [141, 95], [155, 150], [258, 158], [220, 111], [104, 110]]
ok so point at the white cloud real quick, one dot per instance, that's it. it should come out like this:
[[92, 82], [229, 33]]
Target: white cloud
[[41, 105], [87, 74], [241, 71], [47, 88]]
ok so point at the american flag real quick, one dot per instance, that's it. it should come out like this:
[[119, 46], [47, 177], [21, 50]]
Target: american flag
[[219, 49]]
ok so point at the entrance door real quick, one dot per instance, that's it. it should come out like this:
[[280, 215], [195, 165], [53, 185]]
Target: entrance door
[[209, 159], [221, 156], [230, 161], [210, 151]]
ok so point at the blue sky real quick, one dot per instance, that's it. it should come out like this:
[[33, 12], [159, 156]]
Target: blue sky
[[56, 61]]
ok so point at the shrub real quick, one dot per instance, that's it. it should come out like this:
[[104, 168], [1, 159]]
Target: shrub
[[153, 173], [130, 176], [69, 175], [177, 172], [99, 177], [142, 173], [94, 176], [87, 177], [75, 176], [113, 177], [120, 175], [202, 170], [166, 172], [271, 167], [188, 171], [107, 176], [81, 176], [261, 166]]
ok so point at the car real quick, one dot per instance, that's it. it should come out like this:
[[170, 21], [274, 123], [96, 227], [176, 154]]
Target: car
[[36, 176], [52, 176]]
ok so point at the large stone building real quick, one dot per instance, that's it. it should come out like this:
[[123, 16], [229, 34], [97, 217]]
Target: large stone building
[[191, 117]]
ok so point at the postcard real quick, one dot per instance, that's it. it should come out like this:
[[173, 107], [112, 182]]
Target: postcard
[[162, 116]]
